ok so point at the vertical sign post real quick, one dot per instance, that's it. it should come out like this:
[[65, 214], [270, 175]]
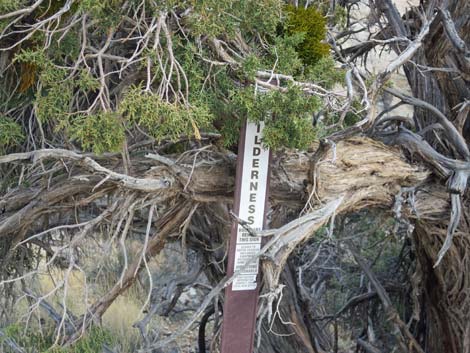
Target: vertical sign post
[[251, 196]]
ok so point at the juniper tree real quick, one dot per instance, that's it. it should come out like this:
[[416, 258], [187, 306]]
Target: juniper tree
[[121, 117]]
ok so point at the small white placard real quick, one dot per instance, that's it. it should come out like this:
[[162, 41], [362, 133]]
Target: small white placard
[[252, 202]]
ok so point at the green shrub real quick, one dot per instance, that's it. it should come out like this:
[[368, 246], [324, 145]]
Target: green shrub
[[283, 38], [10, 5], [313, 24], [287, 115], [216, 17], [11, 134], [325, 73], [163, 119], [102, 132]]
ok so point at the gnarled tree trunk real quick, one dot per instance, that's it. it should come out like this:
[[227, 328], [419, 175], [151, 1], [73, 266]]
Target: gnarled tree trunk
[[446, 86]]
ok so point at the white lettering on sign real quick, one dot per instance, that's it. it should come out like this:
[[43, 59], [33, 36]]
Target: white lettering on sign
[[252, 202]]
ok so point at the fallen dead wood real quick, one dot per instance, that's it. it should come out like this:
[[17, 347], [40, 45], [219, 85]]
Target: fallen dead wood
[[352, 174], [367, 172]]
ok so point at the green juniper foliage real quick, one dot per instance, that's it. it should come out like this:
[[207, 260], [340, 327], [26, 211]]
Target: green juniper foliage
[[312, 24], [324, 73], [10, 5], [11, 134], [163, 119], [210, 97], [216, 17], [287, 115], [101, 132]]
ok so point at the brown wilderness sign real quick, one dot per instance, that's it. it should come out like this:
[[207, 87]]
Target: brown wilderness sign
[[251, 195]]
